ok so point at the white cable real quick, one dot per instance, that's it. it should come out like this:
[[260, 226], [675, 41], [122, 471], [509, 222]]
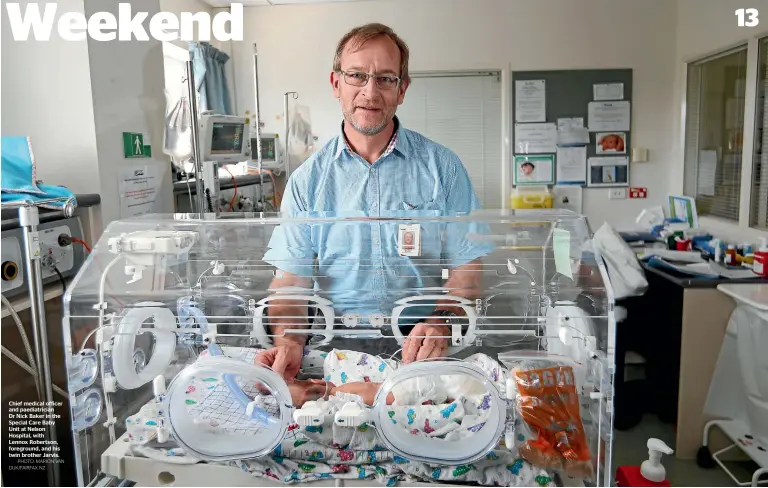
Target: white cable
[[29, 370], [22, 333], [87, 338]]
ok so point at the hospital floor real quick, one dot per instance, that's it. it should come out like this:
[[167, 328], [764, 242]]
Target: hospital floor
[[631, 449]]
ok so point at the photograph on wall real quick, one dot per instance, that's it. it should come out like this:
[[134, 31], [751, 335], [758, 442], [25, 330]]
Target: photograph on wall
[[608, 171], [534, 170], [611, 143]]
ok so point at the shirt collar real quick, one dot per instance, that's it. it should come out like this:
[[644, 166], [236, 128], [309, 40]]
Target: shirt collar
[[398, 142]]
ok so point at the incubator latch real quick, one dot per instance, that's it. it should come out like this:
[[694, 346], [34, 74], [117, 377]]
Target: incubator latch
[[511, 389], [217, 268], [456, 338], [309, 415], [210, 336], [351, 320], [352, 415], [376, 320]]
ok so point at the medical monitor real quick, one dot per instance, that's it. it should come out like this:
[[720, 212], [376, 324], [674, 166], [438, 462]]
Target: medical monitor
[[224, 138], [271, 152]]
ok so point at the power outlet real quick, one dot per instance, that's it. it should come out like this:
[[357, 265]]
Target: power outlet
[[617, 193]]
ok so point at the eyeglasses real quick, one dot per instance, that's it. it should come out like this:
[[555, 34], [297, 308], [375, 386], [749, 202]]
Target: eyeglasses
[[383, 82]]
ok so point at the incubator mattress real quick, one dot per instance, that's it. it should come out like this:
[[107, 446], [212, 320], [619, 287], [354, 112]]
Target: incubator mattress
[[314, 453]]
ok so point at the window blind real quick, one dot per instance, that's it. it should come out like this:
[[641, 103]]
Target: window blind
[[461, 111], [714, 134], [759, 196]]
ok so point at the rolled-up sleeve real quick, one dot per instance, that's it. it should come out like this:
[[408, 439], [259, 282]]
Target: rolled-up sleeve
[[467, 240], [290, 247]]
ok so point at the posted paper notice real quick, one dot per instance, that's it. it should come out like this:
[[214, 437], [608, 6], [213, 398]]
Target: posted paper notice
[[535, 138], [530, 101], [138, 186], [608, 91], [608, 116], [572, 165], [569, 198]]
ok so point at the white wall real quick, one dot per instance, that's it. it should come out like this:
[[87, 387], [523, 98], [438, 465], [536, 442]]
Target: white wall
[[296, 45], [178, 6], [127, 81], [46, 93], [704, 28]]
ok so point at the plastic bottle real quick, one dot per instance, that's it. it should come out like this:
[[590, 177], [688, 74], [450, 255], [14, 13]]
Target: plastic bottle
[[652, 469], [760, 264], [716, 246], [650, 473], [730, 255]]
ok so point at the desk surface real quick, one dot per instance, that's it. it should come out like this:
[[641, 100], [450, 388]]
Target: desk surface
[[755, 295], [687, 281]]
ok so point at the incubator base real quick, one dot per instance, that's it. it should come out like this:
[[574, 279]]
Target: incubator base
[[117, 461], [738, 432]]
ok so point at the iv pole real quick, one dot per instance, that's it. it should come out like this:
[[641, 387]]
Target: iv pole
[[199, 191], [258, 125], [287, 128], [29, 219]]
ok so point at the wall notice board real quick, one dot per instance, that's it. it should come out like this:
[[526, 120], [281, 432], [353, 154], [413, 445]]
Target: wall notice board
[[572, 127]]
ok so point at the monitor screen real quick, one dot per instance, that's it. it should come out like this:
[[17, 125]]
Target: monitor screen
[[267, 148], [226, 138]]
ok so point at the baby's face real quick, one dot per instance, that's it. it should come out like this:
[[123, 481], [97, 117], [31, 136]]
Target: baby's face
[[610, 142]]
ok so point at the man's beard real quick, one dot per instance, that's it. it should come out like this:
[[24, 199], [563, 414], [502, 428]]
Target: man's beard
[[349, 117]]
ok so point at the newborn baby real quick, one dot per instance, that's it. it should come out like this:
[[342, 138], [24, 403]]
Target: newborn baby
[[303, 391], [362, 374]]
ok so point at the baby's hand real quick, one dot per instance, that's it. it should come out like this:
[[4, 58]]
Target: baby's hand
[[303, 391]]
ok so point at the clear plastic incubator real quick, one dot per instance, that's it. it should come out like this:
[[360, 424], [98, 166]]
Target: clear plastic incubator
[[509, 316]]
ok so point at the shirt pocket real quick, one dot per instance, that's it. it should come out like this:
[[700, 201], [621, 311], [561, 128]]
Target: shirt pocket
[[429, 205]]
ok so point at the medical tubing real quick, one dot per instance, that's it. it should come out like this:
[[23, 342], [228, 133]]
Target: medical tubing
[[258, 413], [29, 370], [23, 334]]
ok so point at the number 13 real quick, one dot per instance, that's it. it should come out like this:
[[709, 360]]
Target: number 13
[[751, 14]]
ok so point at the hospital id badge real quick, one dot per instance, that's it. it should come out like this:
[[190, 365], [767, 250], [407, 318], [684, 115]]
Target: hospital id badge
[[409, 240]]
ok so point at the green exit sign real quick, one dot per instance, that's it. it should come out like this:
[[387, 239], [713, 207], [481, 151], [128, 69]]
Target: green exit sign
[[133, 146]]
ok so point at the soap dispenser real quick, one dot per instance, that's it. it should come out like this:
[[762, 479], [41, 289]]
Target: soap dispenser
[[652, 469], [651, 472]]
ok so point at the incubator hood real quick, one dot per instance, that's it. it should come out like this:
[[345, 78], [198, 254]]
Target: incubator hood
[[166, 320]]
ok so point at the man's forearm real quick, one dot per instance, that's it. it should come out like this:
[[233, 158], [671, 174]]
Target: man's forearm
[[288, 314]]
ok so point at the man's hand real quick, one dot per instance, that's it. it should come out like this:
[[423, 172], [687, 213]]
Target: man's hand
[[426, 341], [284, 359]]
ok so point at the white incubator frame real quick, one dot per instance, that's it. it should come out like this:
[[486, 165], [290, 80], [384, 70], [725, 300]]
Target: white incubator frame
[[113, 378]]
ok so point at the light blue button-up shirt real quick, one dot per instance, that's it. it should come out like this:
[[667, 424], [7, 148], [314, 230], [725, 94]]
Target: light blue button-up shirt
[[356, 263]]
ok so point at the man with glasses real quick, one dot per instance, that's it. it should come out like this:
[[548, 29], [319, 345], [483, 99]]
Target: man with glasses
[[375, 166]]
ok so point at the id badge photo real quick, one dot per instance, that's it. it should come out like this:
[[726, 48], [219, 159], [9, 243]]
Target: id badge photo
[[409, 240]]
